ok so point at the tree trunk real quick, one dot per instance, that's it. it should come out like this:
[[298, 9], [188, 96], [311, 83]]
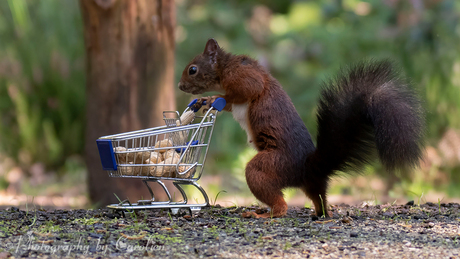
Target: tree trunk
[[130, 77]]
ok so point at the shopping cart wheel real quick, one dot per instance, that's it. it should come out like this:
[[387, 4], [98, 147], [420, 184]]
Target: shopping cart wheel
[[174, 211], [114, 213], [127, 213], [194, 210]]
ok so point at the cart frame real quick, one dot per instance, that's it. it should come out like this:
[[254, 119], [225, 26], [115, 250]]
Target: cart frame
[[187, 170]]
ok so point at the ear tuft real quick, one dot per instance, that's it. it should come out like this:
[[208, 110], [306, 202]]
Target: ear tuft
[[211, 50]]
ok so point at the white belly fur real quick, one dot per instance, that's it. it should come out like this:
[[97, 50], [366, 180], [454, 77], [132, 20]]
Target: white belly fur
[[240, 114]]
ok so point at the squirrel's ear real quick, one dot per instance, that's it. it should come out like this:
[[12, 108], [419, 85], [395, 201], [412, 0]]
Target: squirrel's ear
[[211, 50]]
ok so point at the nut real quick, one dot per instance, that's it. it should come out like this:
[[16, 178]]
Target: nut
[[155, 158], [186, 118], [124, 158], [130, 170], [161, 171], [162, 144], [171, 153], [142, 156], [183, 169]]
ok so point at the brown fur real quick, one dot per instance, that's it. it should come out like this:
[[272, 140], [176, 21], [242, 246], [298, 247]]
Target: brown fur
[[274, 124], [286, 154]]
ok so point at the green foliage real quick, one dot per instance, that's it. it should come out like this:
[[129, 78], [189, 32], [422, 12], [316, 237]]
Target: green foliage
[[302, 43], [309, 42], [42, 88], [306, 42]]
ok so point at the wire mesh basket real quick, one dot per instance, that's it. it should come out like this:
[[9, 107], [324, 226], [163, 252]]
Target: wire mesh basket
[[176, 152]]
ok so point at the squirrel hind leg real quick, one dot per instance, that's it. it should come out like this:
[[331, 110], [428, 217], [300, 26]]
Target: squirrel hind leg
[[318, 196], [266, 186]]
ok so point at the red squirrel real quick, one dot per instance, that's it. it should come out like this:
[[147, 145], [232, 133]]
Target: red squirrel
[[367, 107]]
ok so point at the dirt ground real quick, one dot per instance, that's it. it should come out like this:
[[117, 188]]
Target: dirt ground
[[429, 230]]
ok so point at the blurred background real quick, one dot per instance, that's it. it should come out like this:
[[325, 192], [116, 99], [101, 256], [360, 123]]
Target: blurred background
[[43, 94]]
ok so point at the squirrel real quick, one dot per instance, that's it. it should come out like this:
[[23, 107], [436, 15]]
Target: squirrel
[[367, 107]]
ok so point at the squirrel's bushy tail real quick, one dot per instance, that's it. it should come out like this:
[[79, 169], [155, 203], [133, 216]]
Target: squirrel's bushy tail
[[368, 106]]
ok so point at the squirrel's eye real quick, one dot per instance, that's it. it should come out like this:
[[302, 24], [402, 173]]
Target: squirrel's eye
[[192, 70]]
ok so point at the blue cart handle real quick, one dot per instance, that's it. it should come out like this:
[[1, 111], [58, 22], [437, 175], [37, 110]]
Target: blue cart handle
[[218, 104]]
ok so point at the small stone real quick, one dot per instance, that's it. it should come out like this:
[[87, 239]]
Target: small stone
[[13, 209], [347, 220], [417, 217], [110, 215], [353, 234], [257, 230], [97, 236], [388, 215]]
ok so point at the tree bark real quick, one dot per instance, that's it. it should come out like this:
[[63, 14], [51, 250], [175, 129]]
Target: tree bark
[[130, 77]]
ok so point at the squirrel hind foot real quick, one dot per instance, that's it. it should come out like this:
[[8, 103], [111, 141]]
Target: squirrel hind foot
[[327, 214], [267, 215], [276, 211], [252, 214]]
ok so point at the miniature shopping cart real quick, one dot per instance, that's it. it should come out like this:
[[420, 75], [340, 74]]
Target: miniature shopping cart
[[176, 151]]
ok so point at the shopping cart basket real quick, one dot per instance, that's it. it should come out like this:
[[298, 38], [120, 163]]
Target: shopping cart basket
[[174, 152]]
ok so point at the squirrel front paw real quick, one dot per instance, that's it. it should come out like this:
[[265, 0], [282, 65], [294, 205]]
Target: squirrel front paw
[[209, 101], [199, 103]]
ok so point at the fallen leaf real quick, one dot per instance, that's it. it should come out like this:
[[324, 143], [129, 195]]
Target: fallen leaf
[[141, 235], [337, 227], [406, 226], [324, 222], [43, 234], [268, 237]]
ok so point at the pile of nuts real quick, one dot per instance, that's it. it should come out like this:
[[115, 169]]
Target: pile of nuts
[[162, 163]]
